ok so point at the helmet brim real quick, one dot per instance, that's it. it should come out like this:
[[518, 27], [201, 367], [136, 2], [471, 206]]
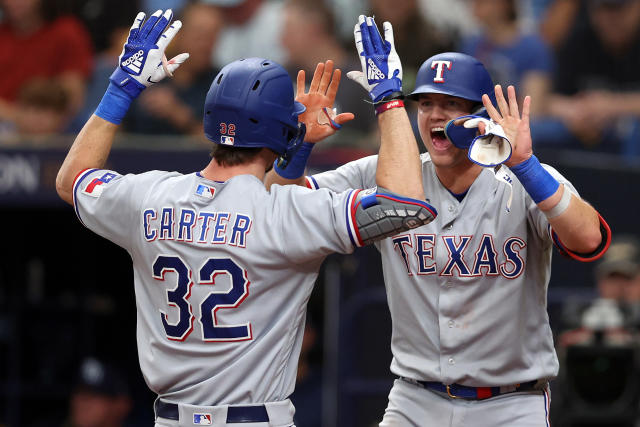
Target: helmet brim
[[425, 89]]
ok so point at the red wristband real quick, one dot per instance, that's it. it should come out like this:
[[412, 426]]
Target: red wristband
[[396, 103]]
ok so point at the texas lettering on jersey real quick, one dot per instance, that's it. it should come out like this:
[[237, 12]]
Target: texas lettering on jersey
[[188, 225], [463, 260]]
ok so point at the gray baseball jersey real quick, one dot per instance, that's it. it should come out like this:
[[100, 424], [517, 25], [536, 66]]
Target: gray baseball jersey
[[467, 292], [222, 273]]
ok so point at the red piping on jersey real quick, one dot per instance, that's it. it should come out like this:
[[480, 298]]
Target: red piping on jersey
[[588, 257], [78, 175], [354, 207]]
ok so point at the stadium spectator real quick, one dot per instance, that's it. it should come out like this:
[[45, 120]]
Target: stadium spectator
[[36, 46], [252, 28], [175, 106], [311, 23], [38, 113], [557, 20], [104, 63], [596, 100], [511, 56], [101, 397], [614, 314]]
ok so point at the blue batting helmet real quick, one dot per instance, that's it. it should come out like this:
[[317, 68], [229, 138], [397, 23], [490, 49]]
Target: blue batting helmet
[[460, 75], [251, 104]]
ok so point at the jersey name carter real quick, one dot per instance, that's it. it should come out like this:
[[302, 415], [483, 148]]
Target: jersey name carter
[[189, 225]]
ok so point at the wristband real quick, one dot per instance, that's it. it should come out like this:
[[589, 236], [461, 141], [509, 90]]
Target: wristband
[[114, 104], [535, 179], [561, 206], [396, 103], [295, 168]]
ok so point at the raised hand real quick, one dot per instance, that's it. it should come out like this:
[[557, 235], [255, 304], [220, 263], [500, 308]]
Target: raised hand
[[142, 61], [319, 117], [515, 126], [381, 73]]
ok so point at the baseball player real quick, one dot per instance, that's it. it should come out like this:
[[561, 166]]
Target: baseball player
[[471, 341], [223, 269]]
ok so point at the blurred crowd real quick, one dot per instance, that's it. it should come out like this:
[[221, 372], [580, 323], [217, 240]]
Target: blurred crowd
[[576, 58]]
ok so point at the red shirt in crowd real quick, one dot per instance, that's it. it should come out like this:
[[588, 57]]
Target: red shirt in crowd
[[59, 47]]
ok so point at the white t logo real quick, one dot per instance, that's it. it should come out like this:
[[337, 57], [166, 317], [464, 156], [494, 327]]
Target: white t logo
[[439, 67]]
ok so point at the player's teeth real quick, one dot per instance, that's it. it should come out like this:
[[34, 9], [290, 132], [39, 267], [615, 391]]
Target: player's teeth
[[439, 129]]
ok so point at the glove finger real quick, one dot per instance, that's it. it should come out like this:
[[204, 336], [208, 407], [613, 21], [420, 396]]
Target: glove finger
[[367, 47], [358, 77], [168, 35], [148, 26], [135, 28], [175, 62], [357, 36], [388, 34], [374, 35], [160, 26], [166, 68]]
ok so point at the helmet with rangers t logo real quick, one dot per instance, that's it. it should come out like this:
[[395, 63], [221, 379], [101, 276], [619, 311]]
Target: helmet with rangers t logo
[[460, 75], [251, 104]]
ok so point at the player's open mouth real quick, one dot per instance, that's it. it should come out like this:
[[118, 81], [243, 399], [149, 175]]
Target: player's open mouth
[[439, 139]]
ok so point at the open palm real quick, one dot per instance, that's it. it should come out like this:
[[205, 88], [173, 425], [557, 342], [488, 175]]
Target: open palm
[[515, 126], [321, 95]]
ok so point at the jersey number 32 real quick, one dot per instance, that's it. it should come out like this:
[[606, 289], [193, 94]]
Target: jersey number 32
[[179, 297]]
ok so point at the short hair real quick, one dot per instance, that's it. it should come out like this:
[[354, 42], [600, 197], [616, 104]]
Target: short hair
[[227, 155]]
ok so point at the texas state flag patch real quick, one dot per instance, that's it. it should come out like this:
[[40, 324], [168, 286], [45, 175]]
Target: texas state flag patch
[[205, 191], [95, 187], [202, 419]]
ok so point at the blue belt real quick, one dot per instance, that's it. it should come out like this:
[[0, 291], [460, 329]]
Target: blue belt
[[235, 414], [458, 391]]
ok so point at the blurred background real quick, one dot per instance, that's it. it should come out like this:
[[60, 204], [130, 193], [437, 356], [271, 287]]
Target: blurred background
[[67, 307]]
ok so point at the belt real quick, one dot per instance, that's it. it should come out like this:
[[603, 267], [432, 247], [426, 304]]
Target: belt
[[458, 391], [235, 414]]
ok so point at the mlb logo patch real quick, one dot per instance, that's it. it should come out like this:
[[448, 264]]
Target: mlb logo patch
[[205, 191], [226, 140], [202, 419]]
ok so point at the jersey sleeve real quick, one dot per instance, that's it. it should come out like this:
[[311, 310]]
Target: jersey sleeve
[[359, 173], [107, 202], [313, 224]]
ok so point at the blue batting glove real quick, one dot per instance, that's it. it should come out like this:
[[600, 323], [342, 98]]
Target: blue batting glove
[[141, 63], [381, 73]]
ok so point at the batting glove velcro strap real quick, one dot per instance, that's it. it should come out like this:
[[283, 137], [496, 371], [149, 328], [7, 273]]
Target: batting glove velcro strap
[[488, 149], [381, 72], [380, 213]]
